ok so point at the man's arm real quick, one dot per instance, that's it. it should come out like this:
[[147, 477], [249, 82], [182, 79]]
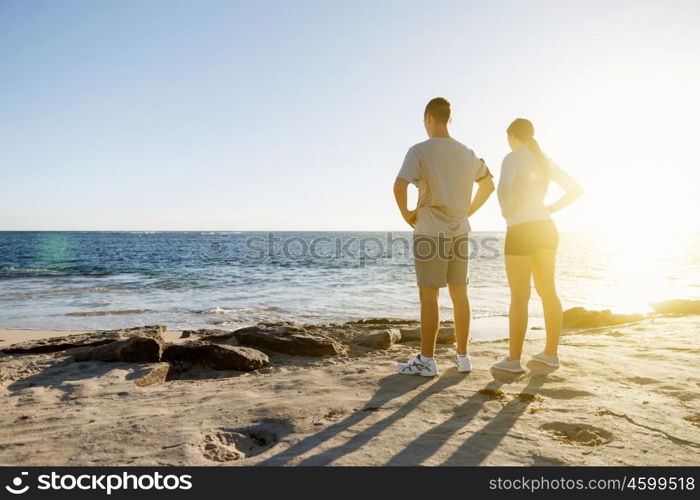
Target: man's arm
[[401, 195], [486, 187]]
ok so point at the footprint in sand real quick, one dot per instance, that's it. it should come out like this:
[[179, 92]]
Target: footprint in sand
[[577, 434], [226, 444]]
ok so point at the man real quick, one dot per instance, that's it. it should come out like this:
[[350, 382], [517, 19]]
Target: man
[[444, 170]]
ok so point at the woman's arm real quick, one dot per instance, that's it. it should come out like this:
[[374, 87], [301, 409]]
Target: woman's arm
[[506, 185], [573, 189]]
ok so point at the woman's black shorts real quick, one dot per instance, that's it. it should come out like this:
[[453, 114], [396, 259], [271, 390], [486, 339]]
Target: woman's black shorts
[[527, 237]]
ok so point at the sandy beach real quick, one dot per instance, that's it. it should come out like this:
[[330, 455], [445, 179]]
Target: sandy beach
[[625, 395]]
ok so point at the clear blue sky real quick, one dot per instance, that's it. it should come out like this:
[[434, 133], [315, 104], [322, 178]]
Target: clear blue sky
[[224, 115]]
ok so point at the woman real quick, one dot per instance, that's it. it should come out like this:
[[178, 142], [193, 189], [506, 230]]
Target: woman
[[531, 239]]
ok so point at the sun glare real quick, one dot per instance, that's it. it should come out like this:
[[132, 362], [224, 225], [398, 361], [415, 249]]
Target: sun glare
[[642, 267]]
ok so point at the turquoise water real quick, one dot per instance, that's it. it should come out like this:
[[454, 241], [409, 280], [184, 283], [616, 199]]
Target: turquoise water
[[85, 280]]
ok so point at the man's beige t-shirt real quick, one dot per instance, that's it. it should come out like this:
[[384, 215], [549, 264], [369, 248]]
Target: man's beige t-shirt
[[444, 170]]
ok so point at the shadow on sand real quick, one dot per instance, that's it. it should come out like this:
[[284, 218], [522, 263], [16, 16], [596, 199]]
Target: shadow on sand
[[473, 451], [390, 387]]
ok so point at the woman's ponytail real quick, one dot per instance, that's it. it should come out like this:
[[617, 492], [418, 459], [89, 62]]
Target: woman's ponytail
[[524, 131], [542, 160]]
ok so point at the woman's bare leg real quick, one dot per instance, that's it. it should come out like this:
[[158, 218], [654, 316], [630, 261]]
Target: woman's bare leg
[[518, 269], [543, 265]]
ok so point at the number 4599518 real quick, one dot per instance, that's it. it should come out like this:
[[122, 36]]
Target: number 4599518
[[661, 483]]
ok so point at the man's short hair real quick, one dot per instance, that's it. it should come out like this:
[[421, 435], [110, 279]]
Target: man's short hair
[[439, 109]]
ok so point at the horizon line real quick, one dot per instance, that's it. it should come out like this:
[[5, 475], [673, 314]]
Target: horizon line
[[503, 230]]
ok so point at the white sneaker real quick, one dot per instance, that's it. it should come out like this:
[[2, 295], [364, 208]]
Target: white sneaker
[[551, 361], [505, 364], [418, 365], [464, 363]]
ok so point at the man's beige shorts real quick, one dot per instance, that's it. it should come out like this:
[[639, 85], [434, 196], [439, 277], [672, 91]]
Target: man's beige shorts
[[441, 260]]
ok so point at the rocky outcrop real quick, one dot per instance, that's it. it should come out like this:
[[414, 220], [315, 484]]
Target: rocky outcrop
[[382, 321], [58, 344], [445, 335], [153, 375], [677, 307], [279, 324], [579, 317], [294, 340], [220, 337], [201, 333], [131, 350], [216, 356], [380, 340]]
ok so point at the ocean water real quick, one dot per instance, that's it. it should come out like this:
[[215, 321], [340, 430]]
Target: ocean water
[[86, 280]]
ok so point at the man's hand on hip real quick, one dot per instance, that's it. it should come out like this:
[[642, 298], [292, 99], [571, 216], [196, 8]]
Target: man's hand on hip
[[410, 217]]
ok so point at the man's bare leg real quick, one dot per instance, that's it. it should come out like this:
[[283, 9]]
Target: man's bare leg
[[429, 319], [462, 316]]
